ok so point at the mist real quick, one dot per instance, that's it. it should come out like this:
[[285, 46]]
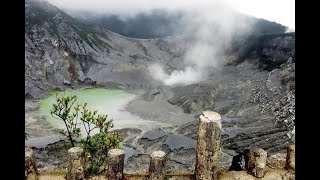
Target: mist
[[211, 24], [282, 12], [212, 34], [126, 8]]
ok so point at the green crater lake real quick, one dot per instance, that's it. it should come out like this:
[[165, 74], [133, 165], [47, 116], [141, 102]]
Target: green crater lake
[[110, 102]]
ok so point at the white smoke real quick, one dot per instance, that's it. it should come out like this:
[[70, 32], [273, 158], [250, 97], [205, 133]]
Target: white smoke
[[189, 75], [289, 30], [212, 24], [212, 33]]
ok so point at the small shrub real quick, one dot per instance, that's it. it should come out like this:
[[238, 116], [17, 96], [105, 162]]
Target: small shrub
[[96, 146]]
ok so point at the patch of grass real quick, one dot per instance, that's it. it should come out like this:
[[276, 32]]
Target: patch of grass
[[53, 91]]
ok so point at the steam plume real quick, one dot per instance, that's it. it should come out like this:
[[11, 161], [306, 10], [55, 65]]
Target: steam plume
[[212, 33]]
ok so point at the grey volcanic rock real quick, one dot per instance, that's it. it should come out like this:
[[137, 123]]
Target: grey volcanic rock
[[268, 51], [129, 153], [190, 129], [175, 142], [66, 82], [154, 134], [42, 142], [59, 47]]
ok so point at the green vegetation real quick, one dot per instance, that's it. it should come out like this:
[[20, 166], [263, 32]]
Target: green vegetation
[[53, 91], [95, 147]]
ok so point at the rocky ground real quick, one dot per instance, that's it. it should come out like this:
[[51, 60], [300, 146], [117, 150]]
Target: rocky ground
[[241, 95], [254, 91]]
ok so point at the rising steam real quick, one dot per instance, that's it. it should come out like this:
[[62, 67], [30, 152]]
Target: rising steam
[[212, 33]]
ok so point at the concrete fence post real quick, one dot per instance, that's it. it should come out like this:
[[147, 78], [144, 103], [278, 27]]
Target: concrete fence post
[[115, 164], [157, 169], [290, 163], [30, 166], [257, 162], [208, 146], [76, 160]]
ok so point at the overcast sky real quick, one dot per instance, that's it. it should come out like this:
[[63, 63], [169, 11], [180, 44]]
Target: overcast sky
[[280, 11]]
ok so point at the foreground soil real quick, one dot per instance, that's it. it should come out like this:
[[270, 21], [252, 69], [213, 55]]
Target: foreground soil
[[271, 174]]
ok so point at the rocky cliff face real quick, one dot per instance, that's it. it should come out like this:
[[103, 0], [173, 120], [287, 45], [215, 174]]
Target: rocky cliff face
[[269, 51], [261, 76], [61, 51]]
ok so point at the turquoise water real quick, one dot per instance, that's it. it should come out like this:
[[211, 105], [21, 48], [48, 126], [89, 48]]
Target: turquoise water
[[110, 102]]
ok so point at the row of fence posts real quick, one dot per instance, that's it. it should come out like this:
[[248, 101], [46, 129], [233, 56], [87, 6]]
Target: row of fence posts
[[207, 157]]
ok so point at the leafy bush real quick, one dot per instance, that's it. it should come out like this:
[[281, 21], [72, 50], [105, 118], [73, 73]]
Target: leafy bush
[[96, 146], [62, 111]]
